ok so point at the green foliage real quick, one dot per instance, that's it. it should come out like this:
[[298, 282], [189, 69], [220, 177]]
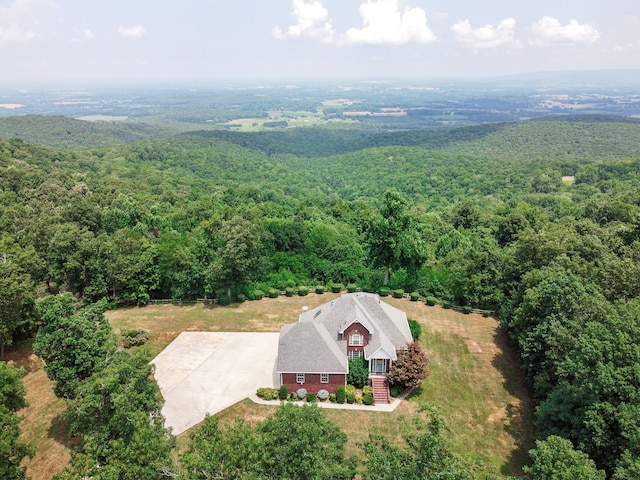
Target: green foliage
[[299, 442], [12, 449], [410, 368], [431, 301], [414, 296], [311, 398], [336, 288], [134, 337], [398, 293], [367, 390], [384, 291], [320, 289], [467, 309], [258, 294], [290, 291], [367, 399], [224, 300], [425, 454], [341, 394], [555, 459], [73, 345], [302, 291], [352, 287], [116, 413], [415, 328], [283, 393], [273, 293], [358, 375], [241, 297]]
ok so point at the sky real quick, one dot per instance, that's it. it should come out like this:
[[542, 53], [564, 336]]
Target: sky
[[165, 41]]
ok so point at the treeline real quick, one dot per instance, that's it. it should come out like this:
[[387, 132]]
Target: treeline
[[193, 217]]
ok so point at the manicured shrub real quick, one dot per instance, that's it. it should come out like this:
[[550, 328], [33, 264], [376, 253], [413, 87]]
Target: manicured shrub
[[290, 291], [301, 393], [367, 390], [384, 291], [134, 337], [224, 300], [414, 296], [446, 304], [320, 289], [351, 397], [394, 391], [398, 293], [367, 399], [323, 394], [273, 293], [332, 398], [358, 397], [349, 389], [241, 297], [341, 394], [336, 288], [258, 294], [311, 398], [267, 393], [302, 291], [431, 301], [467, 309], [486, 313], [283, 393], [352, 287], [415, 328]]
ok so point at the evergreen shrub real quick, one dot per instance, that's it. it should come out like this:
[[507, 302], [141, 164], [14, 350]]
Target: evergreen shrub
[[351, 287], [341, 394], [431, 301], [398, 293], [224, 300], [290, 291], [336, 288], [320, 289], [384, 291], [283, 393], [273, 293], [367, 399], [414, 296], [258, 294], [302, 291]]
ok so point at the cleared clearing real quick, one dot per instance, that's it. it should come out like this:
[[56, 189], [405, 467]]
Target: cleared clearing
[[474, 378]]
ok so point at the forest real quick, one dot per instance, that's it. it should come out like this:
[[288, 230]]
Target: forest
[[535, 222]]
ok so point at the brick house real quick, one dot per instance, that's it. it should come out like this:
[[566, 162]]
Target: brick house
[[314, 353]]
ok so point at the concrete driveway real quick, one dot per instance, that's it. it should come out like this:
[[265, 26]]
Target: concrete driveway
[[206, 372]]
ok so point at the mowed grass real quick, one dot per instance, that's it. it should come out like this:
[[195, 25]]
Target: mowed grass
[[474, 379]]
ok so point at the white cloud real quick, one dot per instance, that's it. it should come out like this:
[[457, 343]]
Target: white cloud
[[85, 35], [549, 31], [384, 24], [136, 31], [15, 34], [487, 36], [312, 20]]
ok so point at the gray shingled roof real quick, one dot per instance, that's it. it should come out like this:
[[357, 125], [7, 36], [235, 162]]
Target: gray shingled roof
[[314, 344]]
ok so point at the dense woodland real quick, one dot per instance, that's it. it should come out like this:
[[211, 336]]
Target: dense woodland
[[477, 217]]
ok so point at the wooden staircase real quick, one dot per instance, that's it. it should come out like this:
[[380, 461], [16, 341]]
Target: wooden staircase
[[380, 390]]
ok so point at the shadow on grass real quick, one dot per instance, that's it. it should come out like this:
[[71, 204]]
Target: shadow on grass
[[21, 355], [520, 414], [59, 431]]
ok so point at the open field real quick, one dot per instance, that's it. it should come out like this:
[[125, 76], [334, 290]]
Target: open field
[[474, 378]]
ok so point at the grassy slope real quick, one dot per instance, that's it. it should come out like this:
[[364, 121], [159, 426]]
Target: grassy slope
[[474, 377]]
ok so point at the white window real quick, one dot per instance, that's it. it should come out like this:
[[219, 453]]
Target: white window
[[356, 340], [324, 378], [299, 377], [355, 354]]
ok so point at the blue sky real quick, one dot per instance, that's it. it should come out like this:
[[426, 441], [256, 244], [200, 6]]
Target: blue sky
[[164, 41]]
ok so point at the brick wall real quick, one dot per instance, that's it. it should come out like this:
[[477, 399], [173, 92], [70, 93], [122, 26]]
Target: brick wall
[[312, 382]]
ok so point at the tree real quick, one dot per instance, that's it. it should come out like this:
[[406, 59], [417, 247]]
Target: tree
[[116, 413], [358, 372], [410, 368], [240, 255], [12, 389], [72, 344], [392, 238], [12, 450], [17, 307], [299, 442], [556, 459], [425, 454], [216, 452]]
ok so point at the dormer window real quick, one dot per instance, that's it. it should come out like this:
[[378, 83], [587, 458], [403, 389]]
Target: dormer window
[[356, 340]]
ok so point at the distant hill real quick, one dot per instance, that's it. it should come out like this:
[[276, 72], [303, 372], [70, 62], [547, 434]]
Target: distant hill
[[69, 133]]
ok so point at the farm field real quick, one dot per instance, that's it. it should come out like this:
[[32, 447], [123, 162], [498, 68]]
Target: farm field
[[474, 379]]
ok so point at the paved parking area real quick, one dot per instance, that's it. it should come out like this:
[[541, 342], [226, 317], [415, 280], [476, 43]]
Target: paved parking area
[[206, 372]]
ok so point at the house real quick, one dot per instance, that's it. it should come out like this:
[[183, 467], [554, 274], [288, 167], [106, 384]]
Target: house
[[314, 353]]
